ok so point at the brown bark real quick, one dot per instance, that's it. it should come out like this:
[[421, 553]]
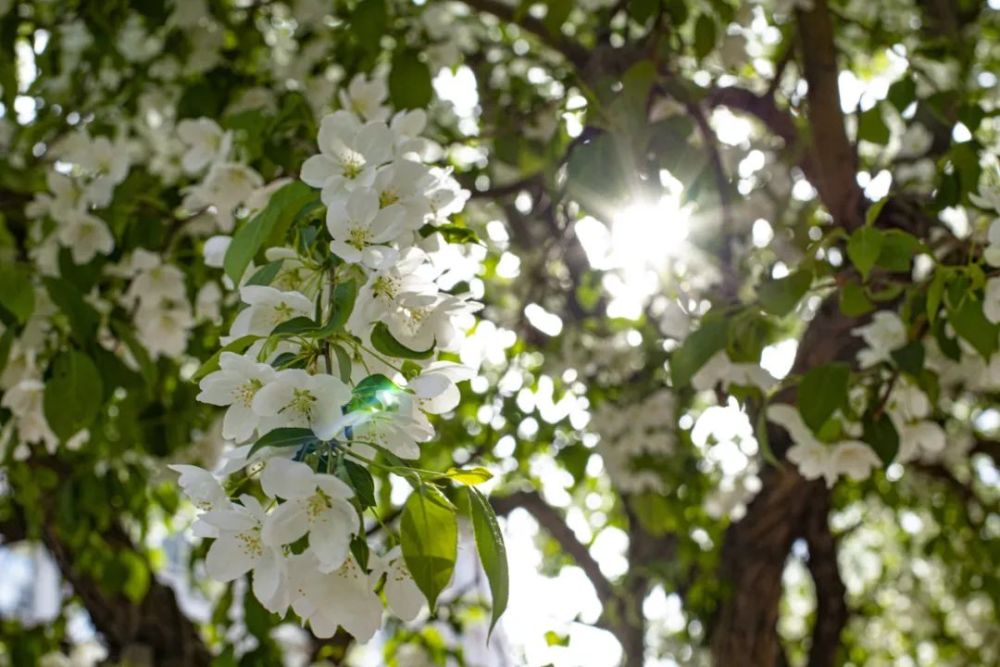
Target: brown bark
[[753, 559], [755, 548], [155, 625], [835, 156], [831, 607]]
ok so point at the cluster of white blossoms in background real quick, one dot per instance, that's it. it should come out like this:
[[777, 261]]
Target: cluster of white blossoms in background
[[632, 432], [816, 459], [906, 405], [361, 387], [88, 170]]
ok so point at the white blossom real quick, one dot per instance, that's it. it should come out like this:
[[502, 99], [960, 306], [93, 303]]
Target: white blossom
[[235, 385], [316, 504], [294, 398]]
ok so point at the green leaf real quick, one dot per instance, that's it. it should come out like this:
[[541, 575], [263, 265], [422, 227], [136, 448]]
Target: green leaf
[[297, 325], [211, 364], [138, 351], [704, 36], [451, 233], [271, 222], [469, 476], [863, 248], [265, 274], [697, 349], [871, 215], [17, 295], [910, 358], [822, 390], [410, 81], [853, 300], [429, 539], [6, 342], [386, 343], [72, 397], [557, 11], [492, 552], [880, 434], [284, 437], [898, 249], [83, 319], [902, 93], [343, 363], [872, 126], [361, 481], [375, 391], [935, 291], [779, 297], [344, 296], [368, 22], [970, 323]]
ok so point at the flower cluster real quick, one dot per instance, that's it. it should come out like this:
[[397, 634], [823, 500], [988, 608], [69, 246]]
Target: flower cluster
[[631, 435], [332, 366]]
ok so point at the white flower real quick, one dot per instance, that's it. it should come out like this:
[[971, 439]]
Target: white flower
[[85, 235], [924, 439], [226, 186], [161, 282], [407, 126], [164, 329], [421, 326], [402, 185], [269, 307], [719, 369], [135, 44], [854, 459], [204, 490], [404, 283], [314, 503], [342, 598], [236, 384], [992, 251], [397, 429], [988, 197], [349, 154], [991, 300], [356, 222], [908, 402], [813, 460], [365, 98], [25, 401], [446, 196], [205, 141], [885, 333], [401, 592], [240, 548], [296, 398], [215, 249], [208, 302], [435, 388], [201, 487]]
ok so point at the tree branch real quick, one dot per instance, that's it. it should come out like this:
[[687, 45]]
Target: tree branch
[[156, 622], [574, 52], [831, 607], [550, 519], [835, 156]]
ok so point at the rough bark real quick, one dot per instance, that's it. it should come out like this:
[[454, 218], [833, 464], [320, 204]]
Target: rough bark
[[831, 607], [755, 548], [156, 626]]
